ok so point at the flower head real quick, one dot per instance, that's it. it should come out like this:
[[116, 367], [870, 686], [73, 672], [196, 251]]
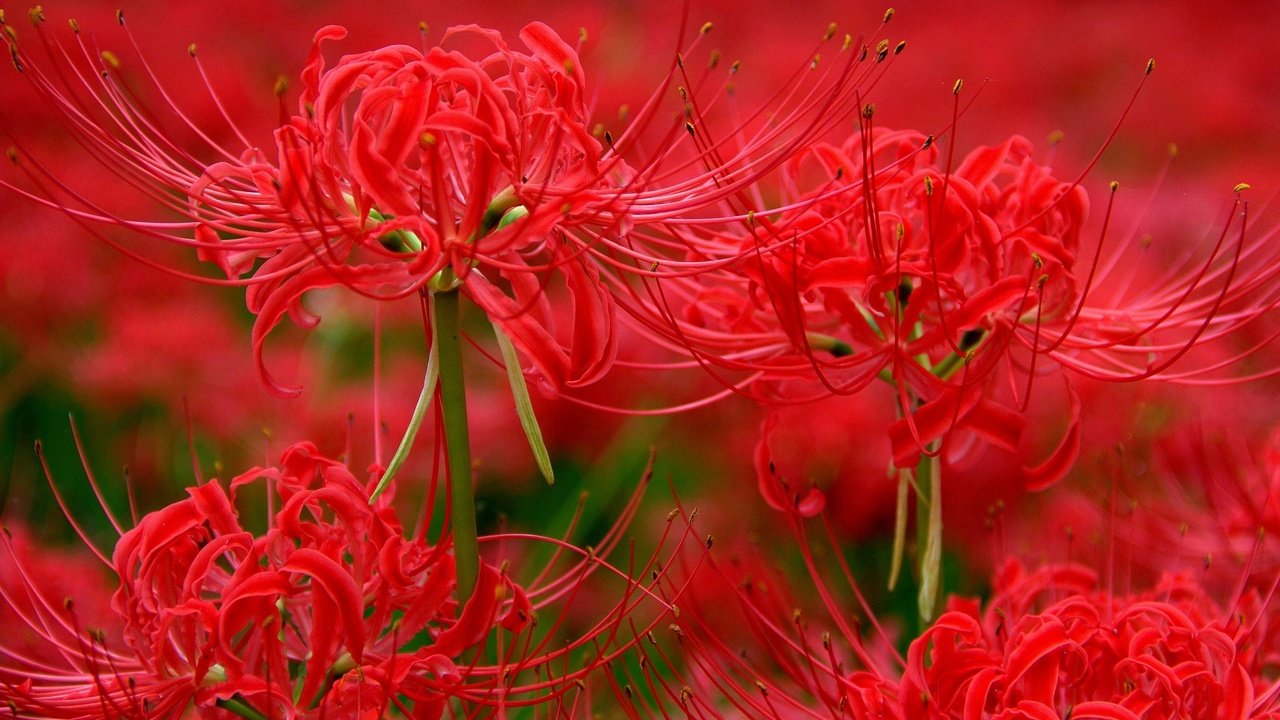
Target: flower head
[[407, 170], [1051, 644], [957, 282], [332, 612], [402, 170], [289, 622]]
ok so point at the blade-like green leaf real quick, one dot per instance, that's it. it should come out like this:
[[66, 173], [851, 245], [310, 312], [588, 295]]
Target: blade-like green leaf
[[524, 407], [415, 422]]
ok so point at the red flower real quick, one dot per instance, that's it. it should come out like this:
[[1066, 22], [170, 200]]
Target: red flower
[[403, 170], [331, 612], [954, 283], [1052, 645], [287, 622]]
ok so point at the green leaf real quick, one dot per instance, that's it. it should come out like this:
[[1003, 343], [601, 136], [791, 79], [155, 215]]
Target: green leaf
[[415, 423], [524, 407], [899, 529], [929, 470]]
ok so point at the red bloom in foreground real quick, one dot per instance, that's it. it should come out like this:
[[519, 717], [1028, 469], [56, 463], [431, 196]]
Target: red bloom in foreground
[[1049, 645], [306, 620], [332, 612], [403, 170], [955, 281], [1052, 645]]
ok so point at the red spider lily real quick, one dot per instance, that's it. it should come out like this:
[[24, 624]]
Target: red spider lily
[[954, 283], [403, 170], [60, 573], [408, 170], [331, 612], [740, 648], [1219, 502], [1052, 645]]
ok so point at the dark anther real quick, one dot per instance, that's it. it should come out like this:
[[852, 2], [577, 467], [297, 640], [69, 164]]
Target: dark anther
[[971, 338]]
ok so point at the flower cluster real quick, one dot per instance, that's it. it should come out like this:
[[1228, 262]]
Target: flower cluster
[[889, 263], [1051, 644], [407, 170], [332, 611], [894, 311], [403, 170]]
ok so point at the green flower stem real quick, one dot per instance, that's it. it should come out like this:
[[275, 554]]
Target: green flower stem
[[948, 365], [453, 396]]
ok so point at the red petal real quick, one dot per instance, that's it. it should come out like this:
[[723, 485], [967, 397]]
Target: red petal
[[770, 485], [339, 588], [315, 61], [1102, 710], [1056, 466], [477, 616], [526, 333], [594, 344]]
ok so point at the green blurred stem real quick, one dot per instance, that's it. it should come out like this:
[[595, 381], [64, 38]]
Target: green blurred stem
[[453, 396]]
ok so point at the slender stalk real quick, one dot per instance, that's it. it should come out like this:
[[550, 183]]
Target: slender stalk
[[929, 527], [453, 397]]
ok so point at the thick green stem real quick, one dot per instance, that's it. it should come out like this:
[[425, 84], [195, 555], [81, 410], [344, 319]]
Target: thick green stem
[[453, 396]]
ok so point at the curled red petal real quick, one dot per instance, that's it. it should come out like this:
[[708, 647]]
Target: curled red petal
[[1056, 466], [526, 333], [767, 480], [477, 616], [315, 62], [339, 588], [594, 345], [517, 618]]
